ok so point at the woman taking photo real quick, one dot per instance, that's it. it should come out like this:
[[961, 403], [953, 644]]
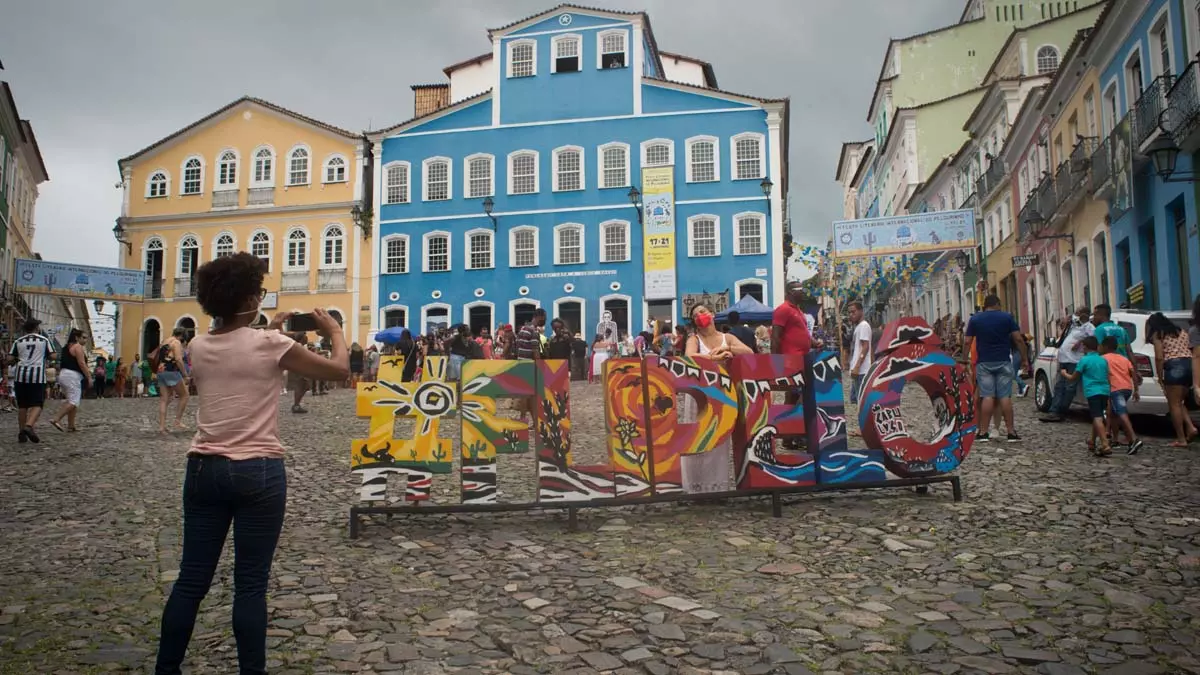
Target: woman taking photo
[[72, 379], [235, 474], [1173, 363]]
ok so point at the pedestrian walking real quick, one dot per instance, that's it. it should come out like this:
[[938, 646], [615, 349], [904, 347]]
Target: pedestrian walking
[[1123, 384], [135, 376], [172, 369], [1070, 350], [98, 375], [997, 335], [28, 383], [1093, 370], [1105, 326], [73, 378], [860, 362], [1173, 363], [357, 363]]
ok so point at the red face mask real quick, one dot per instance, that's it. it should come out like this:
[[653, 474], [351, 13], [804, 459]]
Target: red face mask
[[704, 320]]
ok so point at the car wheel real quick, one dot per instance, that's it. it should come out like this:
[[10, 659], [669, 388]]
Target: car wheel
[[1041, 393]]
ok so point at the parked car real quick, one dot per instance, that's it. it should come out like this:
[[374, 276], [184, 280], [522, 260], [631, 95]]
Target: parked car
[[1153, 401]]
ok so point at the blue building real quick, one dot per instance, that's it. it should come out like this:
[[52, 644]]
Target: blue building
[[1149, 96], [519, 183]]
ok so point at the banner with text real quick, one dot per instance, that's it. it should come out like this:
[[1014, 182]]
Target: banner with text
[[901, 235], [79, 281], [658, 231]]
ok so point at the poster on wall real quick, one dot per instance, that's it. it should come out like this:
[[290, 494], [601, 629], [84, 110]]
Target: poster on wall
[[658, 209], [904, 235], [69, 280], [1121, 162]]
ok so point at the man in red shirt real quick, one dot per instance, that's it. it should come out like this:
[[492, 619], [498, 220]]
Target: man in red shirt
[[789, 328]]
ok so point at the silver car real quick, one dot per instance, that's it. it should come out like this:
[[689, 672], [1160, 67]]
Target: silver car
[[1153, 401]]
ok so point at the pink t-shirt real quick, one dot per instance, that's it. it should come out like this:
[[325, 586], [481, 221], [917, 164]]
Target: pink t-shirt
[[238, 379]]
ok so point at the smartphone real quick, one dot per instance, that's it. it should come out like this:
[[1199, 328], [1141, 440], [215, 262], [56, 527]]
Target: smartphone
[[302, 323]]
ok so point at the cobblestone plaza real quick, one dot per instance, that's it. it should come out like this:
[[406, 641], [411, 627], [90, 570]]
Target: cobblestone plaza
[[1056, 563]]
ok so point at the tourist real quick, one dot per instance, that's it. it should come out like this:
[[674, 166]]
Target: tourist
[[791, 336], [997, 335], [28, 382], [122, 377], [860, 362], [742, 332], [99, 373], [296, 382], [596, 362], [1105, 326], [110, 376], [1123, 384], [561, 341], [1069, 353], [461, 348], [235, 473], [147, 374], [485, 342], [135, 376], [171, 371], [762, 340], [529, 345], [73, 378], [410, 350], [372, 363], [52, 377], [711, 343], [1173, 363], [357, 363], [1093, 369]]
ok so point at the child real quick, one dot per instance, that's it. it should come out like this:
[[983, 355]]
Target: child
[[1094, 371], [1124, 381]]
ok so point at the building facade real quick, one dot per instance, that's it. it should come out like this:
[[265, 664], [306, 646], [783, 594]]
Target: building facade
[[250, 177], [580, 169]]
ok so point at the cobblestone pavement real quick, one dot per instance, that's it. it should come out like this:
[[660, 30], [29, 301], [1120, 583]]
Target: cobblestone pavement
[[1056, 563]]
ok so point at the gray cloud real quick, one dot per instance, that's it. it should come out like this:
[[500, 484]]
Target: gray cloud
[[99, 80]]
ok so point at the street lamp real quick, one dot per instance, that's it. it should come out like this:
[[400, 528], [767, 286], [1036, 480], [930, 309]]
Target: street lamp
[[488, 206], [362, 218], [119, 234], [635, 198], [766, 186], [1164, 152]]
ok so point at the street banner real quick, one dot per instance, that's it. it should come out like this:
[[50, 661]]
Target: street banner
[[658, 231], [1121, 162], [69, 280], [904, 235]]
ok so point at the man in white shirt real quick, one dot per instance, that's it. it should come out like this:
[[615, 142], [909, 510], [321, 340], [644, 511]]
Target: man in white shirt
[[1069, 353], [860, 362]]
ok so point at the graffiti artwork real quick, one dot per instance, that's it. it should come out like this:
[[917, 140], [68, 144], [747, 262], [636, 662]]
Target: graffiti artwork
[[674, 425]]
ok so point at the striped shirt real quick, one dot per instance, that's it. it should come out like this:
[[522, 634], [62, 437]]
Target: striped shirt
[[31, 352], [528, 342]]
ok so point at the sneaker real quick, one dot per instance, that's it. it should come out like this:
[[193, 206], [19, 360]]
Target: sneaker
[[982, 438], [1051, 418], [32, 435], [1135, 447], [22, 436], [1014, 438], [297, 410]]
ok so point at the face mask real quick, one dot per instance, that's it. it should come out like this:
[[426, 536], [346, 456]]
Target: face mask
[[704, 320], [255, 311]]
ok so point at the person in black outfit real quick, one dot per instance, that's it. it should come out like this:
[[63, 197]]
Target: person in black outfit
[[561, 341], [578, 358], [407, 347], [742, 332]]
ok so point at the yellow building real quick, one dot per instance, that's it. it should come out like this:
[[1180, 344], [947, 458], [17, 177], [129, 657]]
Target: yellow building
[[251, 177]]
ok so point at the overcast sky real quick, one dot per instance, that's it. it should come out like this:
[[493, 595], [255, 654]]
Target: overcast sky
[[102, 79]]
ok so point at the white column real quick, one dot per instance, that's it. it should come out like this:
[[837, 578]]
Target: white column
[[354, 248], [774, 172], [126, 176], [635, 46], [377, 163], [498, 68]]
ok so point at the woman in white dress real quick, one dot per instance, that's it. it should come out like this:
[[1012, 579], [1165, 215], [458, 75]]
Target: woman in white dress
[[708, 342]]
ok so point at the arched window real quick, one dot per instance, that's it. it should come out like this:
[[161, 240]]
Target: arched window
[[614, 165], [522, 172], [158, 185], [189, 255], [224, 245], [332, 245], [193, 176], [657, 153], [614, 241], [298, 167], [264, 167], [1047, 59], [479, 250], [227, 169], [523, 247], [154, 255], [395, 250], [568, 169], [612, 49], [260, 247], [297, 250], [335, 169], [395, 317], [436, 179], [568, 244], [479, 176], [396, 190], [188, 324]]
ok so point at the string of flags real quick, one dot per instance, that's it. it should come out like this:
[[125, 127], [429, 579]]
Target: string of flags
[[859, 277]]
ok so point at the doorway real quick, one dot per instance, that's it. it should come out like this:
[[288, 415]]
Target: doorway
[[619, 307], [394, 318], [154, 269], [188, 324], [661, 310], [435, 318], [523, 313], [151, 337], [479, 318], [571, 313], [1184, 271], [1151, 240]]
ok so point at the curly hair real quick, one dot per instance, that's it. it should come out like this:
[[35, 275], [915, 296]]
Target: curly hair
[[222, 285]]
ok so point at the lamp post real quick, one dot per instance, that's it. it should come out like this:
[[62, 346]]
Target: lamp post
[[635, 198], [1164, 152], [120, 235], [362, 218], [488, 206]]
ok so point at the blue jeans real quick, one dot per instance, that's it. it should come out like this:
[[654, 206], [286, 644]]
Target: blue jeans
[[856, 388], [1064, 391], [251, 495], [1016, 365]]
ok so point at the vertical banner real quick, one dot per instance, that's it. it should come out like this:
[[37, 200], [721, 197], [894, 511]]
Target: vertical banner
[[658, 231], [1122, 170]]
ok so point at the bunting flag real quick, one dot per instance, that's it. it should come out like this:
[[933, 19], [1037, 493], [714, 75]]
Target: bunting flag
[[860, 277]]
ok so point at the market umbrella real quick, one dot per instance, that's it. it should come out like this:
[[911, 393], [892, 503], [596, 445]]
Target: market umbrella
[[390, 336]]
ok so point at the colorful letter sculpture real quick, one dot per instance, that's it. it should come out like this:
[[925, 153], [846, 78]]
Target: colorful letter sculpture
[[672, 424], [909, 350]]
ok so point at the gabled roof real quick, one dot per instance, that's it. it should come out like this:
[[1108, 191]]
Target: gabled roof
[[24, 130], [710, 75], [597, 11], [469, 62], [888, 52], [221, 111], [863, 164], [992, 89], [453, 107], [845, 153], [31, 139], [745, 98]]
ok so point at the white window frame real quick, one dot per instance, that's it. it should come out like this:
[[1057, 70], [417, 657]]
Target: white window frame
[[287, 249], [425, 251], [558, 230], [582, 168], [150, 179], [716, 145], [269, 258], [491, 189], [691, 232], [1161, 21], [390, 308], [537, 171], [237, 170], [655, 141], [270, 180], [466, 310], [1037, 66], [762, 155], [435, 305], [512, 246], [148, 246], [308, 166], [624, 147], [1108, 111], [325, 169], [742, 283], [762, 235], [325, 241], [624, 225], [407, 182], [467, 248], [425, 164], [407, 256], [217, 239], [508, 62], [1131, 96], [512, 307], [183, 176], [180, 248], [554, 41], [600, 47]]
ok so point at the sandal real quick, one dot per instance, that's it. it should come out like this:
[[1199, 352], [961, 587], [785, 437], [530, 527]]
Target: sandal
[[1179, 444], [56, 425]]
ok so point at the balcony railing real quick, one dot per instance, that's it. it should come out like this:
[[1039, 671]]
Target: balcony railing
[[971, 201], [987, 183], [183, 287], [1185, 100], [154, 289], [331, 280], [1148, 108], [294, 281], [1101, 165], [260, 196], [225, 199], [1046, 198]]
